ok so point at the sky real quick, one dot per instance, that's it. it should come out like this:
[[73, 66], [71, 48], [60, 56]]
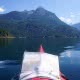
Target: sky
[[66, 10]]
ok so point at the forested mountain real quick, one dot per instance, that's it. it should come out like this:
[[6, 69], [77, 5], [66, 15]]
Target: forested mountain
[[4, 34], [36, 23]]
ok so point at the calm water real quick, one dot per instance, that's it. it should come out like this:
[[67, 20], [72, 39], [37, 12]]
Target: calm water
[[11, 53]]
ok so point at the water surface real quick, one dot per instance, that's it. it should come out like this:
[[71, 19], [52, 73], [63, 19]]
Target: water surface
[[11, 54]]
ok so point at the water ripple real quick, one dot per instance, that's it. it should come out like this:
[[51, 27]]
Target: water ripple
[[8, 63]]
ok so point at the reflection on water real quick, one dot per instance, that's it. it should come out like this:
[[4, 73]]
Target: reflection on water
[[5, 41], [11, 54], [70, 64], [70, 57], [8, 71], [13, 49], [69, 47], [9, 62]]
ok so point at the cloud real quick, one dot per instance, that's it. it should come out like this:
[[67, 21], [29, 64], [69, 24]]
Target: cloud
[[66, 20], [2, 9], [62, 18], [68, 54], [72, 16]]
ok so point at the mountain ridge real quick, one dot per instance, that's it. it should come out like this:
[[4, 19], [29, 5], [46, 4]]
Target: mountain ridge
[[36, 23], [77, 25]]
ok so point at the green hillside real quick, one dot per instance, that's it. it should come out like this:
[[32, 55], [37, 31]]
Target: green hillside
[[36, 23]]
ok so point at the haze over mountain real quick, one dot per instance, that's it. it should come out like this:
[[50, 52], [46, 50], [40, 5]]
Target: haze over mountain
[[36, 23], [77, 26]]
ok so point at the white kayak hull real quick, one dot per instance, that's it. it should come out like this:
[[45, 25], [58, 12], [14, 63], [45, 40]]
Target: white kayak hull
[[37, 64]]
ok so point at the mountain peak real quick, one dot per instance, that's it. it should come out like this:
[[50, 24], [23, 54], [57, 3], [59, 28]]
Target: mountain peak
[[41, 11], [37, 23], [40, 8]]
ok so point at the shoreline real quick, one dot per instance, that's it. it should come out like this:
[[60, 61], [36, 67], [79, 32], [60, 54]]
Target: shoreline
[[7, 37]]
